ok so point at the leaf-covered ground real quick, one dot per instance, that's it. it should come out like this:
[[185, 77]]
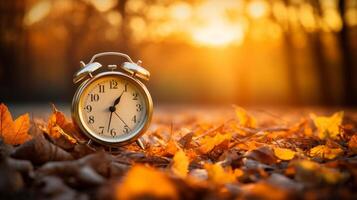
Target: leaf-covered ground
[[190, 154]]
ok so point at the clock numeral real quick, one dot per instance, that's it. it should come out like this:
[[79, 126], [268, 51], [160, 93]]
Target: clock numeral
[[113, 84], [126, 87], [101, 88], [91, 119], [126, 129], [94, 97], [135, 96], [101, 129], [139, 107], [88, 108], [112, 132], [134, 119]]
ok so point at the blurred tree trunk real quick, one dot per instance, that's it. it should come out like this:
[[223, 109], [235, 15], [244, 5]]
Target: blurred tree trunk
[[319, 58], [348, 67], [77, 32], [12, 47], [295, 95]]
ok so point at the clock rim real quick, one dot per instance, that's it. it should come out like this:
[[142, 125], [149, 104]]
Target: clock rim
[[123, 140]]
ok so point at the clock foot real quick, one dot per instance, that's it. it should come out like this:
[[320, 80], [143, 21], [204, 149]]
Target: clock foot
[[140, 143]]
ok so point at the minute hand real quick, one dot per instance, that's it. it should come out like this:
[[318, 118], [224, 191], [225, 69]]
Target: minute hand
[[122, 120]]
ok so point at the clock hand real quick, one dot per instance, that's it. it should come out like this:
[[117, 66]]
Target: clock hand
[[118, 99], [112, 109], [110, 120], [121, 120]]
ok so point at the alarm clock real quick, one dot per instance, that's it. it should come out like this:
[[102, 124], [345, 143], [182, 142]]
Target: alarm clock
[[112, 106]]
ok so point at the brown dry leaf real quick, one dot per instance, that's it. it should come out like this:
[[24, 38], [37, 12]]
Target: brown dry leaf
[[244, 119], [144, 182], [57, 124], [325, 152], [14, 132], [217, 174], [352, 144], [283, 153], [208, 143], [328, 127], [180, 164]]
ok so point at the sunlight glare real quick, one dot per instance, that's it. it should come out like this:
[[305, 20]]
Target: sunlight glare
[[37, 12], [180, 11], [218, 34], [258, 8], [103, 5]]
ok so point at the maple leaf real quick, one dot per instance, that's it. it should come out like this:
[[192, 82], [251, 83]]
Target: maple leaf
[[244, 119], [325, 152], [58, 126], [180, 164], [208, 143], [328, 127], [141, 181], [283, 153], [13, 132], [217, 174]]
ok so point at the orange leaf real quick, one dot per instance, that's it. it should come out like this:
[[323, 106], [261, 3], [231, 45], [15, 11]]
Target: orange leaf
[[218, 175], [208, 143], [325, 152], [352, 144], [244, 119], [13, 132], [284, 154], [180, 164], [144, 182], [58, 126]]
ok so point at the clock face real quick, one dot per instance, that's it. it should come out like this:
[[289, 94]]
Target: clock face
[[112, 108]]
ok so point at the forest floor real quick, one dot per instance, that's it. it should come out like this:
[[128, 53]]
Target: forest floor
[[191, 153]]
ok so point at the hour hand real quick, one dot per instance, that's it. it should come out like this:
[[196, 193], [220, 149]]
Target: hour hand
[[118, 99]]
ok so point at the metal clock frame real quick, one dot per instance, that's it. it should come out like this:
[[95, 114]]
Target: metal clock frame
[[134, 72]]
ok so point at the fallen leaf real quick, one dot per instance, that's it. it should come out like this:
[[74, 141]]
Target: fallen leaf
[[263, 190], [180, 164], [263, 154], [244, 119], [325, 152], [14, 132], [352, 144], [208, 143], [217, 174], [312, 173], [328, 127], [57, 124], [283, 153], [144, 182]]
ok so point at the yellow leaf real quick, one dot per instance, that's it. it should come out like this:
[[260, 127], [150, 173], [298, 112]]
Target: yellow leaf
[[180, 164], [58, 126], [325, 152], [218, 175], [328, 127], [208, 143], [244, 119], [144, 182], [284, 154], [13, 133]]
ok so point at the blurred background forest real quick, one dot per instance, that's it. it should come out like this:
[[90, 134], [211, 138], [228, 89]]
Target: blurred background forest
[[255, 52]]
